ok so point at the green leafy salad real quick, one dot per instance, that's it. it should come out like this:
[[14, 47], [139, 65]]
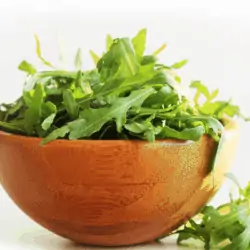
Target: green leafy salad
[[226, 227], [128, 95]]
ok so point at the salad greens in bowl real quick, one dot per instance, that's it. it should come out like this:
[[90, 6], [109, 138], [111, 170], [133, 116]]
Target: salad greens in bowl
[[118, 154], [128, 95]]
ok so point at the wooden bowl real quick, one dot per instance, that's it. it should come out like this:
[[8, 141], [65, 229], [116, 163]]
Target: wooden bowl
[[112, 193]]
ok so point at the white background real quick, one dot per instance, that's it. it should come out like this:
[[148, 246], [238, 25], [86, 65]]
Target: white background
[[213, 35]]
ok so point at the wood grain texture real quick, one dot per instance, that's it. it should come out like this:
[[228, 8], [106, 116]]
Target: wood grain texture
[[112, 193]]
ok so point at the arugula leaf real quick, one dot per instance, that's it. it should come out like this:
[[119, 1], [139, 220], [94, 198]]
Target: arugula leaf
[[139, 43], [34, 111], [148, 59], [150, 135], [48, 108], [109, 41], [144, 129], [12, 109], [218, 109], [136, 127], [70, 103], [158, 51], [127, 58], [48, 121], [226, 227], [119, 61], [246, 191], [57, 133], [78, 59], [39, 53], [94, 56], [93, 119], [186, 134], [241, 241], [12, 127], [162, 94], [179, 65], [214, 94], [201, 89], [27, 67]]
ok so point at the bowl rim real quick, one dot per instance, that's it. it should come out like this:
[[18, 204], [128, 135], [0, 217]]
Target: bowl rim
[[231, 126]]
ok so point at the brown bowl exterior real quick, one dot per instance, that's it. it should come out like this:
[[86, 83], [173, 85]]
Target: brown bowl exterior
[[112, 193]]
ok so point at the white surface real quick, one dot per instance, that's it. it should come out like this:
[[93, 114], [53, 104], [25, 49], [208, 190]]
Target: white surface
[[18, 232], [213, 35]]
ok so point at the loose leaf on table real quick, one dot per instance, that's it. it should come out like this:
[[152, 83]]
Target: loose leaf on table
[[226, 227], [242, 240]]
